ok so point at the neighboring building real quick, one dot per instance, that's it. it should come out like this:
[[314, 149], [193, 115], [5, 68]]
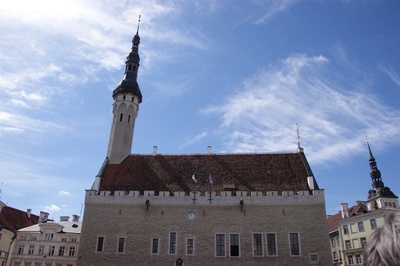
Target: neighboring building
[[199, 209], [47, 243], [350, 229], [12, 220]]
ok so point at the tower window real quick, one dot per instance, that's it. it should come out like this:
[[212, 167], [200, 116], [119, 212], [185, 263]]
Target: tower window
[[134, 68], [121, 116], [129, 119], [124, 97], [129, 67]]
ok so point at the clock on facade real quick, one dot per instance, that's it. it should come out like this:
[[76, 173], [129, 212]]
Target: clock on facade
[[191, 216]]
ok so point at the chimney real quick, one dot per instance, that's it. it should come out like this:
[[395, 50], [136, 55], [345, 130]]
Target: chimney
[[209, 149], [28, 213], [310, 181], [155, 150], [43, 217], [75, 218], [345, 210], [64, 218]]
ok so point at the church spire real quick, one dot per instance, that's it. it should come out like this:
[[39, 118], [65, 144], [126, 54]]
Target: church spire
[[127, 97], [374, 171]]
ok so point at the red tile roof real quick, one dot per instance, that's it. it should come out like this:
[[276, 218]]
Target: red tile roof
[[15, 219], [242, 172], [353, 210]]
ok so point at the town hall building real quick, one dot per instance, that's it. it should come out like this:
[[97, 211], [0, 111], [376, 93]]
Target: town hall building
[[198, 209]]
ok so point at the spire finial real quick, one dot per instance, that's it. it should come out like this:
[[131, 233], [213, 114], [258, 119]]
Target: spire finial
[[137, 30], [369, 149], [299, 148]]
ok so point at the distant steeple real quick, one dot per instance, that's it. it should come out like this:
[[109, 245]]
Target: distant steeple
[[374, 171], [379, 196], [127, 97]]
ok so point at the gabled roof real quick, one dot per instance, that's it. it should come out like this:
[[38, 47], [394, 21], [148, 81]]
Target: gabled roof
[[241, 172], [353, 211], [15, 219]]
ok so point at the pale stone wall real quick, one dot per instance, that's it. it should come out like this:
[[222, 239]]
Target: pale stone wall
[[139, 225]]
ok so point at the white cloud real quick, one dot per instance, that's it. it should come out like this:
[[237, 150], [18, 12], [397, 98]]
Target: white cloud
[[263, 114], [392, 74], [63, 193], [271, 8], [194, 139], [52, 208]]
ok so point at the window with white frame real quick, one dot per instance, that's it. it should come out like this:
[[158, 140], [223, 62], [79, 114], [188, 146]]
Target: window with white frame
[[234, 245], [257, 245], [360, 225], [61, 251], [121, 244], [155, 246], [347, 244], [31, 249], [345, 229], [350, 259], [271, 244], [172, 243], [373, 223], [20, 249], [363, 242], [71, 252], [358, 259], [294, 244], [220, 245], [41, 249], [189, 246], [51, 250], [48, 237]]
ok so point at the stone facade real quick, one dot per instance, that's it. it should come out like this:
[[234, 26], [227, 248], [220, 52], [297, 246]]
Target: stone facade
[[129, 217]]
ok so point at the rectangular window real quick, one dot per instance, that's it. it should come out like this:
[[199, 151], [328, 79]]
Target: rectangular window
[[360, 226], [100, 244], [350, 259], [190, 246], [121, 244], [294, 244], [48, 237], [172, 243], [63, 240], [358, 259], [348, 244], [51, 250], [154, 246], [373, 223], [257, 245], [334, 255], [271, 244], [346, 229], [31, 249], [220, 245], [333, 242], [20, 249], [40, 250], [61, 251], [71, 251], [234, 245], [338, 241], [363, 242]]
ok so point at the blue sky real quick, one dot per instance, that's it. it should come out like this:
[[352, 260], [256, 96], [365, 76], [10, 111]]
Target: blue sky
[[235, 75]]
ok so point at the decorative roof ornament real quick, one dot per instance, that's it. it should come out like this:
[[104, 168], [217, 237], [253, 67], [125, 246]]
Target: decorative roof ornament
[[299, 148]]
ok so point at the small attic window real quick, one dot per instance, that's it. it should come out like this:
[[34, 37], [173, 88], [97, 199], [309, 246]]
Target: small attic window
[[75, 226]]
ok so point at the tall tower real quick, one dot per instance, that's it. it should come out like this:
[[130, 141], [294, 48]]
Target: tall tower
[[379, 196], [127, 97]]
